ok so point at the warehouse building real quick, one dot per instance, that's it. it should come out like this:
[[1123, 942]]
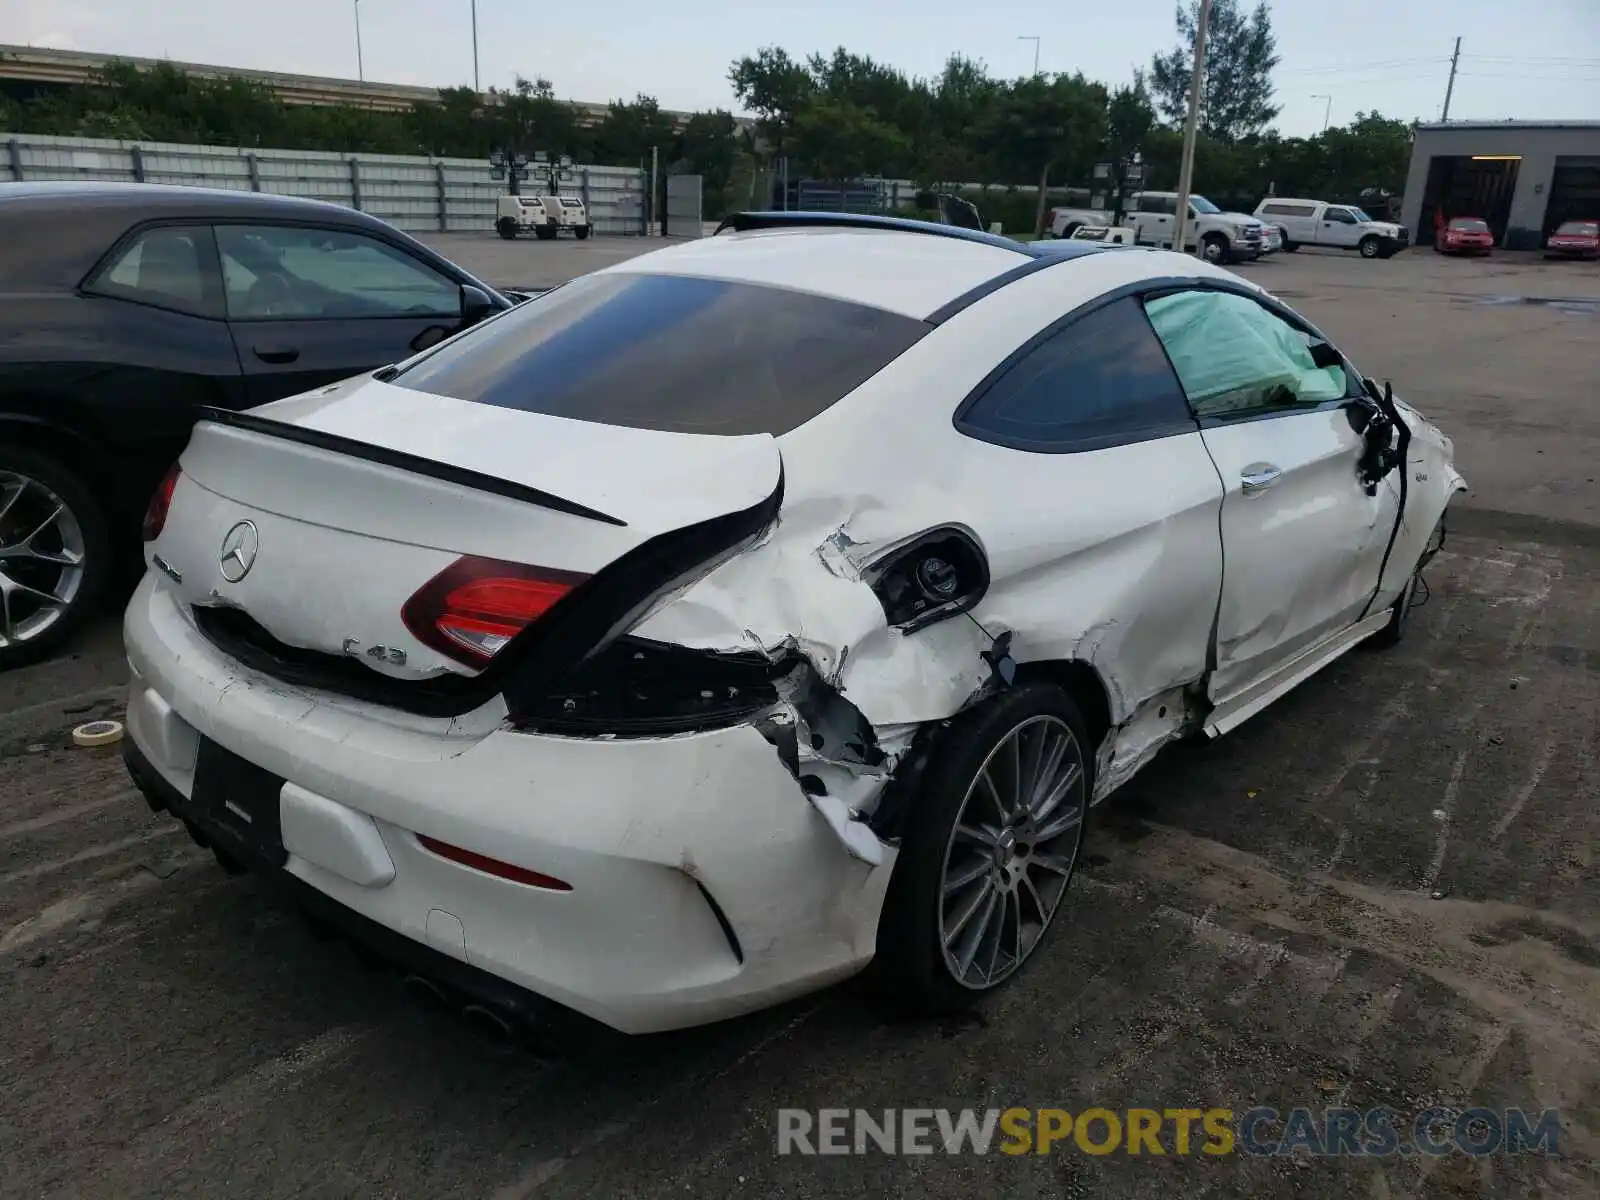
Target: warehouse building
[[1523, 177]]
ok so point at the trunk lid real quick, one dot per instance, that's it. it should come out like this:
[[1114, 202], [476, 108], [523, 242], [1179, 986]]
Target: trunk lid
[[358, 495]]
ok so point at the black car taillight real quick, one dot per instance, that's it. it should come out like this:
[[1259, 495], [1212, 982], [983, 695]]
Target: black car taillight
[[155, 516], [636, 688]]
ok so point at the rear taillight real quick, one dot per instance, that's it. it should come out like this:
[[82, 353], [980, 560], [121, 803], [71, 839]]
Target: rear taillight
[[155, 516], [473, 607]]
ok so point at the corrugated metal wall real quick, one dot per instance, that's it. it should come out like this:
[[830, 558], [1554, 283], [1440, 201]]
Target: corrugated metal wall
[[418, 194]]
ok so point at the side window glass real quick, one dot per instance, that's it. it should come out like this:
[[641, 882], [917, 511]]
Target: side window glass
[[1101, 380], [1237, 359], [1340, 216], [297, 273], [168, 267]]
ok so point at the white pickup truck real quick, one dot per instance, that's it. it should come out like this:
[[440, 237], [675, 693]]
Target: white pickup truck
[[1219, 236], [1341, 226]]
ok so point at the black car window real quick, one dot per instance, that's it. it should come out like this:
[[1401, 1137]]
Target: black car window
[[1100, 380], [1237, 358], [669, 352], [292, 272], [166, 266]]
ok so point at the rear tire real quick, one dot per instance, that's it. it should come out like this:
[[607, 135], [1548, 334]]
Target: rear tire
[[1009, 875], [506, 228], [1288, 246], [53, 544], [581, 231]]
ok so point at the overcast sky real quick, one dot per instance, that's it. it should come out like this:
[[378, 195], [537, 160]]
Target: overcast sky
[[1530, 61]]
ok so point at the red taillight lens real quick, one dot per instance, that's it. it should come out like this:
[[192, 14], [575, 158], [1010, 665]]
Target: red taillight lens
[[155, 516], [474, 606]]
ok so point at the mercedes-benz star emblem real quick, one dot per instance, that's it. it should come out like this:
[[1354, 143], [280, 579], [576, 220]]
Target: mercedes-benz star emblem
[[239, 551]]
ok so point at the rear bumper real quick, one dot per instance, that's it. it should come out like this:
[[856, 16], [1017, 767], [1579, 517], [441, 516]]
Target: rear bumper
[[704, 884]]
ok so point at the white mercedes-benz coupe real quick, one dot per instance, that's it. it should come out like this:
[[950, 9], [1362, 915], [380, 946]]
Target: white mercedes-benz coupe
[[760, 609]]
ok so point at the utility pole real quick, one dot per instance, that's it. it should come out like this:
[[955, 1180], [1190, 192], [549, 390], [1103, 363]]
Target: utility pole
[[475, 86], [1327, 111], [1451, 86], [1191, 130], [361, 72], [1026, 37]]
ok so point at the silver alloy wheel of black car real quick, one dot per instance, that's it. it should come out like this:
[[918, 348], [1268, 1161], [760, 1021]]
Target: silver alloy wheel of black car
[[1011, 851], [42, 558]]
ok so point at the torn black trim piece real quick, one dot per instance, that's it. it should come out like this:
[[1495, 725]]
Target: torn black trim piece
[[722, 921], [415, 464]]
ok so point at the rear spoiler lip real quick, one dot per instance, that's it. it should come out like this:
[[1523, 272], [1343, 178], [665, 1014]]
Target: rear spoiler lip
[[412, 463]]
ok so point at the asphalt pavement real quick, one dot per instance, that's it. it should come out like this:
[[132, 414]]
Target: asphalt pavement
[[1383, 891]]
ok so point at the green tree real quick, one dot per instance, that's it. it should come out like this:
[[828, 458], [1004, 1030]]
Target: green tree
[[838, 139], [776, 88], [709, 147], [1048, 125], [1236, 92], [626, 134]]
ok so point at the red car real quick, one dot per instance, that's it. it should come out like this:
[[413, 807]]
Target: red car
[[1465, 235], [1574, 239]]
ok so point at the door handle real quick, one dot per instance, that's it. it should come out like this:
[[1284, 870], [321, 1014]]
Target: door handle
[[276, 354], [1258, 477]]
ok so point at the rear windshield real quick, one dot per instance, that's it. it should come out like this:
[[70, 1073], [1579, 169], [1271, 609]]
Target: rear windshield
[[669, 352]]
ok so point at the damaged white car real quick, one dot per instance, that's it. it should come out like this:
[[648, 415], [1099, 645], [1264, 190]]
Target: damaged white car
[[712, 626]]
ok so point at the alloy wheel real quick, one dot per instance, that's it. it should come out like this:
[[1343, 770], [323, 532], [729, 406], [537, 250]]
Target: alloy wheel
[[1011, 852], [42, 558]]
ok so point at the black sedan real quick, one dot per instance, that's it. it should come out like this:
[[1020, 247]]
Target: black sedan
[[125, 307]]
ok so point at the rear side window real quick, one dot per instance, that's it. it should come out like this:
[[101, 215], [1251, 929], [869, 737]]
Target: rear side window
[[1102, 380], [168, 267], [671, 353]]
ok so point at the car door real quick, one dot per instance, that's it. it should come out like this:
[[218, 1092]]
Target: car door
[[1303, 542], [1338, 228], [1156, 219], [136, 354], [309, 305]]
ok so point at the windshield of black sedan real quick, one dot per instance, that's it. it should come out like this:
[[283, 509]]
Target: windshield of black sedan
[[670, 352]]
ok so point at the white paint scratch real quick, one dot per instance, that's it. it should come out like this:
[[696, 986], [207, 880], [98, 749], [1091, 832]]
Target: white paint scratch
[[1541, 764], [1441, 845]]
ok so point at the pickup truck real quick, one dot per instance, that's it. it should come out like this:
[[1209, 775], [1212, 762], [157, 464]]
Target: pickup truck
[[1219, 236], [1340, 226]]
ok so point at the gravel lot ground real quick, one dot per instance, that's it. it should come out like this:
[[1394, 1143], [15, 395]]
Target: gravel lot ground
[[1257, 922]]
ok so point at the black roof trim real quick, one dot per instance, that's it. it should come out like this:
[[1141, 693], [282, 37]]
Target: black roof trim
[[404, 462]]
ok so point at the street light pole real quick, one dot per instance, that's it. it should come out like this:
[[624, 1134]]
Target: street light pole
[[361, 72], [1027, 37], [1191, 130], [1327, 111], [475, 86]]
